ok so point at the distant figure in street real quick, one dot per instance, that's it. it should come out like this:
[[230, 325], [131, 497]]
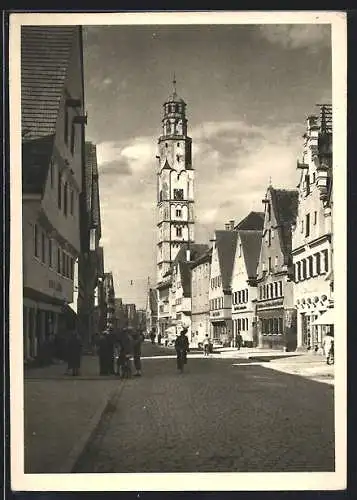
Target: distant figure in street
[[239, 341], [328, 347], [182, 348], [206, 345], [137, 339], [125, 353], [159, 339], [74, 351], [152, 336], [106, 354]]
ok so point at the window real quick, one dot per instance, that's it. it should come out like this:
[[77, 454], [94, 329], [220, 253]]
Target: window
[[311, 266], [269, 264], [307, 184], [276, 261], [298, 271], [43, 247], [66, 126], [65, 198], [59, 260], [269, 238], [318, 263], [315, 217], [272, 234], [178, 144], [271, 286], [72, 202], [178, 194], [325, 255], [64, 264], [280, 288], [178, 213], [59, 191], [302, 226], [166, 145], [313, 178], [307, 228], [304, 275], [50, 252], [51, 173], [280, 326], [260, 293], [35, 240], [73, 138], [269, 211], [179, 232], [276, 289]]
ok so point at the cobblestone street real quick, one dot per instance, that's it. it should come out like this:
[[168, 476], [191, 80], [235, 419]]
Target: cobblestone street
[[214, 418]]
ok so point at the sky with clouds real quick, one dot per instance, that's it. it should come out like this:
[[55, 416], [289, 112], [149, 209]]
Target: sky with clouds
[[248, 89]]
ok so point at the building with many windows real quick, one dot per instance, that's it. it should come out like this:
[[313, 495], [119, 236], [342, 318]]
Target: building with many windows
[[275, 311], [312, 235], [200, 310], [244, 283], [220, 292], [52, 108]]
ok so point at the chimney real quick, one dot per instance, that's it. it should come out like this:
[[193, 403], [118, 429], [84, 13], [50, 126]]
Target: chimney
[[227, 226], [231, 222]]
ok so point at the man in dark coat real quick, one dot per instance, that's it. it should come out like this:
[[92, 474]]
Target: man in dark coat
[[74, 351], [137, 339], [182, 348]]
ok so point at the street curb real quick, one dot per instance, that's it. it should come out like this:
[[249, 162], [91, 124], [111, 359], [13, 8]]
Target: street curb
[[315, 377], [89, 431]]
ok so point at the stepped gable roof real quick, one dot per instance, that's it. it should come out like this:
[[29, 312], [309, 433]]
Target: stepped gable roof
[[285, 206], [251, 242], [45, 56], [253, 221], [226, 242]]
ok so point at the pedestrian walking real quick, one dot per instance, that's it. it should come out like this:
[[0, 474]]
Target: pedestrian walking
[[328, 347], [182, 348], [152, 336], [125, 353], [137, 339], [74, 351], [239, 341], [206, 346]]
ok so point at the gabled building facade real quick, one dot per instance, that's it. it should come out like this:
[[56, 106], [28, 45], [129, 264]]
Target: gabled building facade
[[200, 310], [109, 300], [52, 108], [312, 236], [220, 292], [180, 290], [244, 279], [276, 314]]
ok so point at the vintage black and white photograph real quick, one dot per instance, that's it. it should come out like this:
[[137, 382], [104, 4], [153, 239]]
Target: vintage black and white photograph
[[178, 187]]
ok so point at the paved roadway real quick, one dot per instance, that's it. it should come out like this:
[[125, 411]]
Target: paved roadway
[[214, 418]]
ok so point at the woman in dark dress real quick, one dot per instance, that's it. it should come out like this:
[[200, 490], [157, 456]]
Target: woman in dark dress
[[74, 351]]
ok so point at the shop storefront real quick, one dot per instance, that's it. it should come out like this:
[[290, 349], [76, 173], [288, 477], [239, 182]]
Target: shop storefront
[[314, 321], [276, 325], [221, 328]]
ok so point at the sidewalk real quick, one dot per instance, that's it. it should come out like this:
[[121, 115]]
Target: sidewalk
[[61, 412]]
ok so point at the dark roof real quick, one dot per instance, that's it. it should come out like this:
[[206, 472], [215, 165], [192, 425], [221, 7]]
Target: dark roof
[[253, 221], [196, 250], [226, 242], [36, 156], [206, 257], [45, 56], [251, 242], [285, 206]]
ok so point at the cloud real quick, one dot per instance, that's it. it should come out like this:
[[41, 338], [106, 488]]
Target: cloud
[[296, 36]]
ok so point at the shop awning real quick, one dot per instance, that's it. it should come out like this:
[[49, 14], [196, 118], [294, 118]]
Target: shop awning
[[326, 318]]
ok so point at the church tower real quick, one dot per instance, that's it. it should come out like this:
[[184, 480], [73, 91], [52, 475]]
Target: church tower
[[175, 176]]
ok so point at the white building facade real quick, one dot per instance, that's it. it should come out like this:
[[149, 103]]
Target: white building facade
[[200, 284], [312, 236], [244, 286]]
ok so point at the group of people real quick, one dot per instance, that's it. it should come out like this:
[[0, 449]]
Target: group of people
[[116, 350]]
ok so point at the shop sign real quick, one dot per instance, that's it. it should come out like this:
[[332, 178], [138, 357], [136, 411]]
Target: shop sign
[[214, 314], [55, 285], [239, 308], [273, 303]]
